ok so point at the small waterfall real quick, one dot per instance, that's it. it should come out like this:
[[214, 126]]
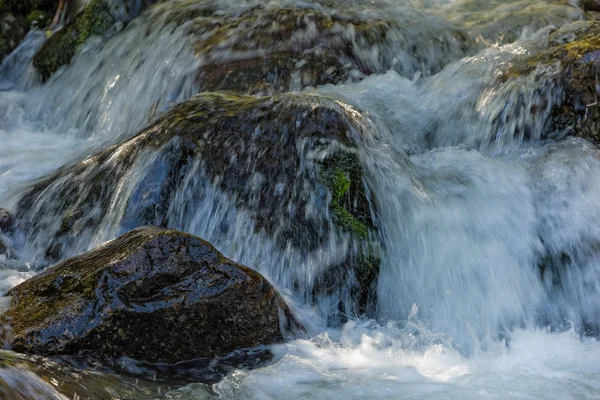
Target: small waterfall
[[151, 61]]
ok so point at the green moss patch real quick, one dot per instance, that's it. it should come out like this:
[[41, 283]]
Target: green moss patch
[[95, 19]]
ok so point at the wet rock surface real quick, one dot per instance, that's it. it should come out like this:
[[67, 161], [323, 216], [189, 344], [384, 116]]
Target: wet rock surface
[[500, 22], [6, 220], [277, 50], [590, 5], [564, 66], [290, 162], [97, 18], [12, 31], [153, 295], [26, 377]]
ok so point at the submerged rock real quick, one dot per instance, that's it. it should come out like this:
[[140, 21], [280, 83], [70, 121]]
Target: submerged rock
[[17, 382], [153, 294], [284, 168]]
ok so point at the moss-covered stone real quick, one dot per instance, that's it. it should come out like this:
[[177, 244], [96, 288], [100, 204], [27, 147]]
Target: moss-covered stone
[[349, 204], [37, 18], [569, 62], [153, 294], [59, 49], [268, 50], [285, 161], [285, 49], [12, 31]]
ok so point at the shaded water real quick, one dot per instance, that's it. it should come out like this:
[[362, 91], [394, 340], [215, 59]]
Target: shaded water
[[471, 196]]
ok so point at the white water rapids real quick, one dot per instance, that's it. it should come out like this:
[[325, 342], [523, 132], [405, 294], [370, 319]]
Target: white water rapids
[[468, 208]]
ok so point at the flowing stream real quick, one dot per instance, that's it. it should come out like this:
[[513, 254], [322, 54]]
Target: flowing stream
[[471, 198]]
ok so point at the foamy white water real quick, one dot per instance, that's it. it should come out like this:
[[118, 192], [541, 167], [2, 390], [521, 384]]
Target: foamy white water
[[490, 277]]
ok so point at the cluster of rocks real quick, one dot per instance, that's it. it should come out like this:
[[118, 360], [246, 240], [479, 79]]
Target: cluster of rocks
[[163, 296]]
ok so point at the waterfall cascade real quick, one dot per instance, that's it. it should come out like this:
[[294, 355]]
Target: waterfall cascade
[[483, 217]]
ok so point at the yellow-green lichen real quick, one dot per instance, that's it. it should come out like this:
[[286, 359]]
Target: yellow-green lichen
[[585, 41]]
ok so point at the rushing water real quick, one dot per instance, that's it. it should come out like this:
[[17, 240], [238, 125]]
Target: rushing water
[[471, 199]]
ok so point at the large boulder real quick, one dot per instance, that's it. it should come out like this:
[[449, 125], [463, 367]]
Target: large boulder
[[27, 377], [284, 168], [153, 294], [273, 50], [265, 49]]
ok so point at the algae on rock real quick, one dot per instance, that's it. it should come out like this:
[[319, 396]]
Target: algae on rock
[[276, 159], [130, 297], [98, 17], [58, 50], [572, 54]]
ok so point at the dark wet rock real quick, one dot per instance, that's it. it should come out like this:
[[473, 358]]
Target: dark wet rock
[[12, 31], [565, 68], [154, 295], [204, 370], [6, 250], [98, 18], [266, 50], [6, 220], [590, 5], [289, 162], [26, 7]]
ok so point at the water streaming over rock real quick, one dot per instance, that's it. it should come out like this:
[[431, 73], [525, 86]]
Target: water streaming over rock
[[486, 219]]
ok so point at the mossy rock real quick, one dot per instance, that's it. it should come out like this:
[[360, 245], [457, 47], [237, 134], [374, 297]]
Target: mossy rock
[[99, 17], [59, 49], [276, 50], [503, 21], [37, 18], [25, 7], [154, 295], [12, 31], [274, 58], [575, 56], [290, 162], [266, 50]]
